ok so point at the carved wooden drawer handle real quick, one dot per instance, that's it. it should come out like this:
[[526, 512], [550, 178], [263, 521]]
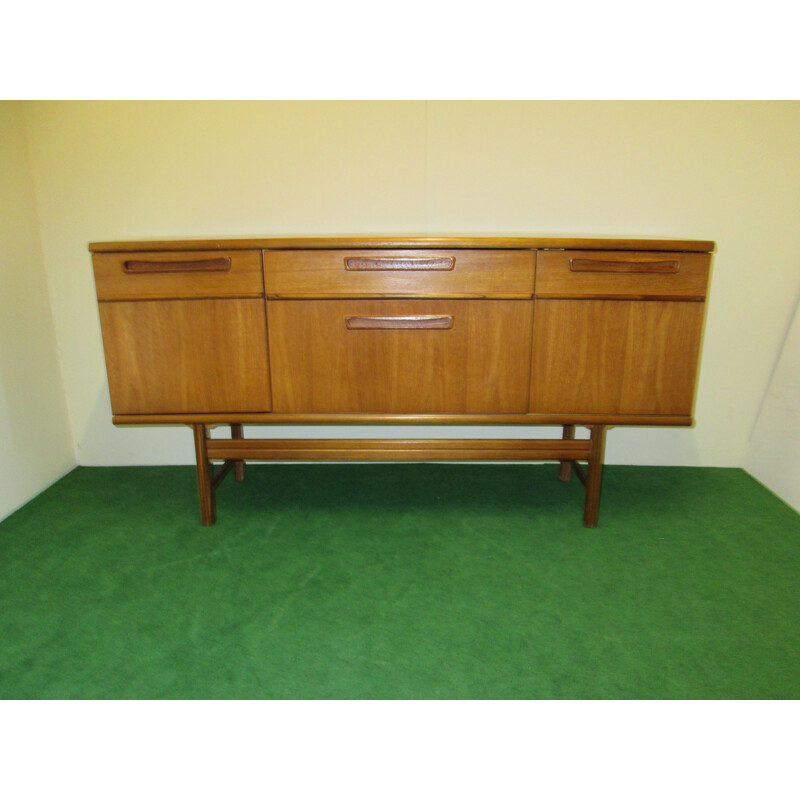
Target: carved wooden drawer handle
[[202, 265], [419, 322], [596, 265], [372, 263]]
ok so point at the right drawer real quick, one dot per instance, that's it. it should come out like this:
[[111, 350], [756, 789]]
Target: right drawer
[[622, 275]]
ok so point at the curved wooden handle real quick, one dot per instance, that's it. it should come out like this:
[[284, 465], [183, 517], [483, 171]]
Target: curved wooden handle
[[372, 263], [598, 265], [202, 265], [419, 322]]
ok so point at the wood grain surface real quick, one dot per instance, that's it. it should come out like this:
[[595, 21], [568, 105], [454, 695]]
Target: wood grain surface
[[479, 364], [615, 356], [605, 274], [186, 356], [153, 277], [518, 242], [323, 273]]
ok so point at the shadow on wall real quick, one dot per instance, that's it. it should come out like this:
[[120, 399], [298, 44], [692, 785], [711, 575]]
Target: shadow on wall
[[773, 456]]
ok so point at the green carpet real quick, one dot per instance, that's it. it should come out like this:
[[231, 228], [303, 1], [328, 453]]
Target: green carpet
[[401, 581]]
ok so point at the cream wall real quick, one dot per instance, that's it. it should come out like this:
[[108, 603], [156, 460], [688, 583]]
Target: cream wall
[[35, 440], [773, 455], [728, 171]]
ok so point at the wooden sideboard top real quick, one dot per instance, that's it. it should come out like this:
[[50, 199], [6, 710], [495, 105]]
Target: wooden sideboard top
[[388, 242]]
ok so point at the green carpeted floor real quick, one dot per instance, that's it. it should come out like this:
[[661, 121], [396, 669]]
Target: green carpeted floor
[[401, 581]]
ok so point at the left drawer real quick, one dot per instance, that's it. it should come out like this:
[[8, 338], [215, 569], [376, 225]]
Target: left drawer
[[178, 275]]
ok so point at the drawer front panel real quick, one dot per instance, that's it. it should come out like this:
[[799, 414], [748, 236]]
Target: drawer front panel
[[398, 273], [186, 356], [622, 275], [154, 275], [615, 357], [400, 356]]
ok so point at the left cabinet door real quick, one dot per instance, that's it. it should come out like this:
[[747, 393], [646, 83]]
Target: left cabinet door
[[186, 356]]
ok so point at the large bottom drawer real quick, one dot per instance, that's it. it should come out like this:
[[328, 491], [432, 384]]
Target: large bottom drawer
[[400, 356]]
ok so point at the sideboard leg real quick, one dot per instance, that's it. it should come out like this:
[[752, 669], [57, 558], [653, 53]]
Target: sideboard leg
[[594, 476], [565, 470], [238, 466], [208, 512]]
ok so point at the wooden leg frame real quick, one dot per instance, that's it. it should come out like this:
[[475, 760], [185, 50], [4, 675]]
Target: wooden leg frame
[[235, 451]]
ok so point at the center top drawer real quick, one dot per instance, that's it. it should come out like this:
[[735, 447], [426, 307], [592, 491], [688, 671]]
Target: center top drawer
[[399, 273]]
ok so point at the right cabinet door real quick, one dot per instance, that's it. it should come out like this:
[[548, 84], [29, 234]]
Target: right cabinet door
[[617, 333], [615, 356]]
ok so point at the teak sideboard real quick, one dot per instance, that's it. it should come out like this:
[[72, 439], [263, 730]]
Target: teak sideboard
[[440, 330]]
